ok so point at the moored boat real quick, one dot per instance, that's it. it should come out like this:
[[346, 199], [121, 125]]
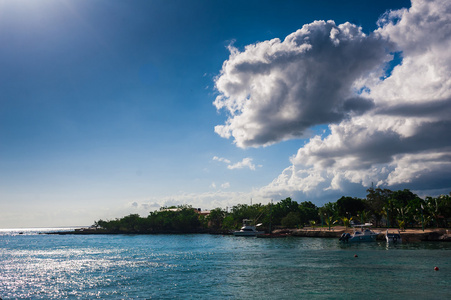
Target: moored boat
[[248, 230], [393, 237], [362, 233]]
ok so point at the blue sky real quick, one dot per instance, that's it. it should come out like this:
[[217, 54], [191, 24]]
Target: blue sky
[[107, 107]]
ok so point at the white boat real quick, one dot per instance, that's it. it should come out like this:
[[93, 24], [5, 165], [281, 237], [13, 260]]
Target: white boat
[[362, 233], [393, 237], [248, 229]]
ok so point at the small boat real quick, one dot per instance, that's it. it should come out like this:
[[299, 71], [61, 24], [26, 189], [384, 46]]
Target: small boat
[[248, 229], [393, 237], [362, 233]]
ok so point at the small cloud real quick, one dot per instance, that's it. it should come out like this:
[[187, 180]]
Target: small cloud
[[221, 159], [225, 185], [245, 163], [213, 185]]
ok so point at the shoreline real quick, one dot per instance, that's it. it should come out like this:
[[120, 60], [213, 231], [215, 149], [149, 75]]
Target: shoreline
[[408, 235]]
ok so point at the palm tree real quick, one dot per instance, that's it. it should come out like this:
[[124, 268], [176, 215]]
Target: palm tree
[[364, 216], [346, 221], [433, 207], [402, 217], [330, 221]]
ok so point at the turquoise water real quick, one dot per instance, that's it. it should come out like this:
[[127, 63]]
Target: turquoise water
[[220, 267]]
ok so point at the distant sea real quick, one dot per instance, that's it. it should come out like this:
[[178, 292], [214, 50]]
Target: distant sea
[[37, 266]]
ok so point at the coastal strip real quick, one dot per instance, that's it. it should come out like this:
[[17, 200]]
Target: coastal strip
[[408, 235]]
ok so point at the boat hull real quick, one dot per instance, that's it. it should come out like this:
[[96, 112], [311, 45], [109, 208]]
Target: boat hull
[[393, 239], [363, 238], [359, 237]]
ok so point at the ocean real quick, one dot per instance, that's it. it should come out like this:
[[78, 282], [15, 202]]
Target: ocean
[[202, 266]]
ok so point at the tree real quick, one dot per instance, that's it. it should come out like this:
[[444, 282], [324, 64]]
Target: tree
[[346, 221], [243, 211], [186, 220], [291, 220], [364, 216], [308, 212], [376, 199], [282, 208], [330, 221], [402, 198], [434, 209], [329, 213], [348, 206], [216, 218]]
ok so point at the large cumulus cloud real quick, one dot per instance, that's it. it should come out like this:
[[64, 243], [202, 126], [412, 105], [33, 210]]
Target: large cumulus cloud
[[392, 130], [275, 90]]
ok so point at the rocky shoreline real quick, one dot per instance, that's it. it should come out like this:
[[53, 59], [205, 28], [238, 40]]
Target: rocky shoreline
[[409, 235]]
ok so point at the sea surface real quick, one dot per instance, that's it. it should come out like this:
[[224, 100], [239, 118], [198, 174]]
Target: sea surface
[[40, 266]]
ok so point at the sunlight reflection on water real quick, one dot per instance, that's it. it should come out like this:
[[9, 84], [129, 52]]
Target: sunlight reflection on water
[[165, 266]]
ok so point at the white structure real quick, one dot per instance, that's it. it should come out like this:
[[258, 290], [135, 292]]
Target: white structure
[[248, 229]]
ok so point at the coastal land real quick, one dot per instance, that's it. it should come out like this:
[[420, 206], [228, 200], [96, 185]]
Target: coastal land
[[408, 235], [418, 219]]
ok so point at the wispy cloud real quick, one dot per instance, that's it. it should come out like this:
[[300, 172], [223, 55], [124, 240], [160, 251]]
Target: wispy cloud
[[221, 159], [245, 163]]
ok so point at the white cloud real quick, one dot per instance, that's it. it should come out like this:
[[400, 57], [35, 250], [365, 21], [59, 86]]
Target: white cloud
[[221, 159], [245, 163], [224, 185], [275, 90], [394, 133]]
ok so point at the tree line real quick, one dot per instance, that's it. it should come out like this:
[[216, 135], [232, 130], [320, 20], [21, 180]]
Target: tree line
[[382, 207]]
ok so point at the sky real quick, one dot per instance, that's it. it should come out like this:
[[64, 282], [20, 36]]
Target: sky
[[112, 107]]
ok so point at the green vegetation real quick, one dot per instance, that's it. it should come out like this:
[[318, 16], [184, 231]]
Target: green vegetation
[[382, 207]]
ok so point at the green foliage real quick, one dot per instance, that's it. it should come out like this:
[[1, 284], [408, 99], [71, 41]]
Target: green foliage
[[216, 218], [308, 211], [181, 219], [312, 224], [282, 209], [229, 223], [363, 216], [348, 206], [254, 212], [291, 220], [330, 221], [346, 221], [400, 208], [402, 225], [376, 199]]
